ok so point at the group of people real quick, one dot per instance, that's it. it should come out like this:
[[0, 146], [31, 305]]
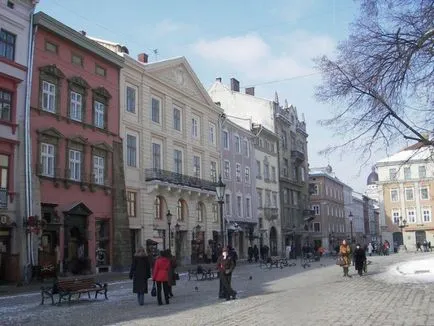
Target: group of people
[[346, 256], [164, 274]]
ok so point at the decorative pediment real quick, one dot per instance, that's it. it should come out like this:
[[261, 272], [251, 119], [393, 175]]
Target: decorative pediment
[[51, 132], [103, 146], [78, 209], [52, 70], [79, 140], [76, 80], [101, 91]]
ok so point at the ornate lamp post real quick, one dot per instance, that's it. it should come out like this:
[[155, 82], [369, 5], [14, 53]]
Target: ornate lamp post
[[220, 190], [350, 217], [169, 221], [402, 224]]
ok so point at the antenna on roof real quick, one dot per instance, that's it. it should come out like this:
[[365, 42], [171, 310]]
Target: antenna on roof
[[156, 54]]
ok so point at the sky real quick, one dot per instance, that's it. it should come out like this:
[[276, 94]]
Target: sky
[[266, 44]]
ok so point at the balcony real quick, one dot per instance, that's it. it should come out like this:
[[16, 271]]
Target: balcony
[[3, 198], [271, 213], [179, 179], [297, 155]]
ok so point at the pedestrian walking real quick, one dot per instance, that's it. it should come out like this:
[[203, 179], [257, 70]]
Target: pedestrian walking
[[345, 254], [370, 249], [359, 257], [250, 254], [256, 253], [225, 266], [173, 275], [140, 272], [160, 275]]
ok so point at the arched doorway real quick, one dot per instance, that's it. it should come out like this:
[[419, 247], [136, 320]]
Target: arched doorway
[[397, 239], [420, 236], [273, 241]]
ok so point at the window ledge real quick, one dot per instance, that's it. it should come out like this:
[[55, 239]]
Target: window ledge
[[13, 63], [9, 124]]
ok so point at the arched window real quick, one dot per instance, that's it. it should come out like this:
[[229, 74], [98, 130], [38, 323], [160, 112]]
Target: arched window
[[181, 210], [200, 211], [159, 205]]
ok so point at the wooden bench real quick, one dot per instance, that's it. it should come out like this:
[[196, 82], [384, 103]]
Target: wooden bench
[[66, 287]]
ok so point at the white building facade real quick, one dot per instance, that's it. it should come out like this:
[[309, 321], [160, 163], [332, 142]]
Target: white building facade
[[357, 220]]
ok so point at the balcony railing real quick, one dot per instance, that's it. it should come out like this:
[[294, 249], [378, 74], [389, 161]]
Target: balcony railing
[[271, 213], [178, 179], [297, 155], [3, 198]]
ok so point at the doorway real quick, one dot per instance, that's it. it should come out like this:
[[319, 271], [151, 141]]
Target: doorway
[[273, 241]]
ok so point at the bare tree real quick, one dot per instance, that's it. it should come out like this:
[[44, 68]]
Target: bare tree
[[381, 80]]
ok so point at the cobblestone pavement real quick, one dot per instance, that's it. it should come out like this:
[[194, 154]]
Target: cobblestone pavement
[[318, 295]]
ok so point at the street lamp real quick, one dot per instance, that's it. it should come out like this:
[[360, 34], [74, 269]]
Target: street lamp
[[220, 190], [402, 224], [350, 217], [169, 221]]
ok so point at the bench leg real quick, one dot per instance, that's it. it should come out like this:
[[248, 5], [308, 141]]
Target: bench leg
[[42, 299], [88, 294]]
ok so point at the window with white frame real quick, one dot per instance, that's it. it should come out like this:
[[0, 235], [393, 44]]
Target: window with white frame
[[75, 165], [228, 204], [394, 195], [424, 193], [155, 110], [213, 170], [409, 194], [48, 96], [131, 150], [131, 99], [259, 192], [226, 169], [407, 173], [273, 173], [156, 156], [195, 127], [266, 171], [239, 205], [99, 111], [248, 207], [237, 144], [258, 169], [225, 135], [315, 208], [47, 159], [426, 214], [422, 171], [246, 148], [98, 169], [316, 227], [267, 198], [285, 196], [176, 119], [392, 174], [247, 174], [238, 172], [274, 199], [177, 161], [411, 215], [396, 213], [212, 133], [196, 166], [75, 108]]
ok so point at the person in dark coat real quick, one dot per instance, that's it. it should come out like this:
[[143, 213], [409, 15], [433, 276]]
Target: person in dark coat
[[172, 272], [225, 266], [256, 253], [250, 254], [359, 257], [139, 273]]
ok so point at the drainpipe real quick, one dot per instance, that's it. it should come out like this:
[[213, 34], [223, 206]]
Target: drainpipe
[[27, 146]]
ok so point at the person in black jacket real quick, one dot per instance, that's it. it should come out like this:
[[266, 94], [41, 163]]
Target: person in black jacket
[[139, 273], [225, 266], [359, 257]]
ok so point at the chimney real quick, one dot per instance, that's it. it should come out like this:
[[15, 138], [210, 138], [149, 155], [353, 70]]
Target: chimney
[[250, 91], [142, 57], [218, 79], [218, 104], [83, 33], [235, 85]]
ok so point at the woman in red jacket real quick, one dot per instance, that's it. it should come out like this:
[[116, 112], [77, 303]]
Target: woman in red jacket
[[160, 275]]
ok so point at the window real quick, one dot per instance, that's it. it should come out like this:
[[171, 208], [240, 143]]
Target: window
[[47, 159], [155, 110], [246, 148], [237, 144], [158, 203], [248, 207], [177, 119], [274, 194], [76, 105], [195, 127], [266, 171], [239, 205], [285, 167], [98, 169], [395, 216], [411, 215], [200, 212], [303, 174], [177, 160], [131, 99], [48, 96], [426, 214], [273, 173], [394, 195], [77, 60], [316, 227], [392, 174], [131, 150], [422, 171], [409, 194], [407, 173], [258, 169], [10, 4], [7, 45], [238, 172], [247, 174], [228, 204], [295, 197], [156, 156], [100, 71], [424, 193], [196, 166], [5, 105], [74, 165], [212, 130], [316, 190], [267, 198], [225, 139], [285, 196], [315, 208], [213, 169], [227, 169], [182, 210], [284, 138], [99, 111], [259, 192], [50, 47]]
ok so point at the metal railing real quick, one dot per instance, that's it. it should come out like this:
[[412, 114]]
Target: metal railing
[[178, 179]]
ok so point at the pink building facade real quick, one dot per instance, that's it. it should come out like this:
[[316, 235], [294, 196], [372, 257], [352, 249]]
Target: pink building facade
[[74, 129]]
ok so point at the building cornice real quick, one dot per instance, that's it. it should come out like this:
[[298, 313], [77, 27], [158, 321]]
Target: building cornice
[[51, 24]]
